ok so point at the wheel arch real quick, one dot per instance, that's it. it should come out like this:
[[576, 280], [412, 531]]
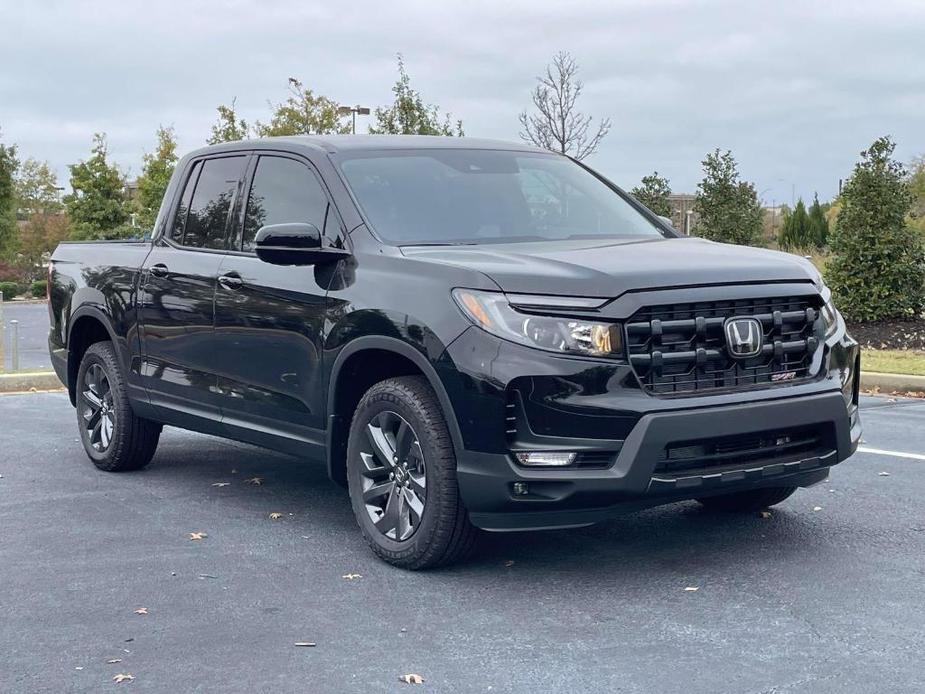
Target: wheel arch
[[88, 325], [393, 358]]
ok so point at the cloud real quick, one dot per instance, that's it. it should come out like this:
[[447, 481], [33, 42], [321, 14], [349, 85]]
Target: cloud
[[796, 89]]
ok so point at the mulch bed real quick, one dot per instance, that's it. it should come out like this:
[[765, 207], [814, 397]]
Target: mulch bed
[[890, 334]]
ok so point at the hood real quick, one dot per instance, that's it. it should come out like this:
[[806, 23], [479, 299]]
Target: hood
[[610, 268]]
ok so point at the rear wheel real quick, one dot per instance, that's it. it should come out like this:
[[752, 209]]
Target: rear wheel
[[112, 435], [752, 500], [401, 473]]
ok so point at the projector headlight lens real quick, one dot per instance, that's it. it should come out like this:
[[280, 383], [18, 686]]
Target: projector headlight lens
[[492, 312]]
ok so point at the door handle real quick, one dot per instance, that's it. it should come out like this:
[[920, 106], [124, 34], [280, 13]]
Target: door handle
[[231, 280], [159, 270]]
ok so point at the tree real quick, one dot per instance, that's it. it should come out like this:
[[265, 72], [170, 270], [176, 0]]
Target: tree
[[795, 233], [818, 224], [409, 115], [228, 127], [557, 124], [155, 175], [97, 206], [877, 270], [917, 185], [45, 224], [8, 231], [729, 209], [653, 193], [37, 189], [303, 113], [38, 237]]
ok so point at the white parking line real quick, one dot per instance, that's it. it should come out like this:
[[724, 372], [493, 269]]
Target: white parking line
[[895, 454]]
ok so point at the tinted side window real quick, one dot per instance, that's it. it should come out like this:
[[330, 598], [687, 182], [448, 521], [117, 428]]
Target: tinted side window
[[211, 203], [179, 220], [284, 190]]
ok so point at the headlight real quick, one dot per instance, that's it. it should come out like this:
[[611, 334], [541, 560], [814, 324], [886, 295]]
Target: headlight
[[492, 312], [830, 318]]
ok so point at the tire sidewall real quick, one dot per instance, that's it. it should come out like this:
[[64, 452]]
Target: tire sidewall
[[96, 354], [372, 404]]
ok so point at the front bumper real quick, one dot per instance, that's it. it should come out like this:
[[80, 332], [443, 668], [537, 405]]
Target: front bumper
[[590, 406], [568, 498]]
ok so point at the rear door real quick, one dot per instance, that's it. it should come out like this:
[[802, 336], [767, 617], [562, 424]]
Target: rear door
[[178, 290], [269, 319]]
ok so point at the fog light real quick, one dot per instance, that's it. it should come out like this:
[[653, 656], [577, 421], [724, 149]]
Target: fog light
[[552, 458], [521, 489]]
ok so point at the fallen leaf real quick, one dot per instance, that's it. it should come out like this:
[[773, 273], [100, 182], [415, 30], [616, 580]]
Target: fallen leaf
[[79, 667], [141, 610], [275, 516], [509, 562], [817, 508], [305, 644], [199, 535], [123, 677], [764, 514], [220, 484], [884, 474], [234, 472], [113, 661], [692, 589], [254, 480], [351, 577], [411, 678], [206, 576]]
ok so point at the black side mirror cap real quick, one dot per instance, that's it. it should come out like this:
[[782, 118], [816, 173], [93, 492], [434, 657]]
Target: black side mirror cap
[[295, 243]]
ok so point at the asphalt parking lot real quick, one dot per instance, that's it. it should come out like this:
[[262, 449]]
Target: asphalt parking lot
[[826, 595]]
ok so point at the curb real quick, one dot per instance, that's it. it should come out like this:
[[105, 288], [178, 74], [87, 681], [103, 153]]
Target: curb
[[35, 380], [889, 383]]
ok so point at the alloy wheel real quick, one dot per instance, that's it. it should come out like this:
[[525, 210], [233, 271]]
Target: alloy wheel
[[394, 483], [97, 408]]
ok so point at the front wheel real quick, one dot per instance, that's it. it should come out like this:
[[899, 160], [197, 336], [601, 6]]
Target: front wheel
[[401, 473], [112, 435], [752, 500]]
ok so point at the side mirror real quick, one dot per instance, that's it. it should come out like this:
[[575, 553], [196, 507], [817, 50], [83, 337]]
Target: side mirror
[[297, 243]]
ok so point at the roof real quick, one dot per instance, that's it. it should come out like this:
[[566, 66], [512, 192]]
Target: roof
[[347, 143]]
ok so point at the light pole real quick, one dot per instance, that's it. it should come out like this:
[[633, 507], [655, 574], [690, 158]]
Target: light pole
[[362, 110]]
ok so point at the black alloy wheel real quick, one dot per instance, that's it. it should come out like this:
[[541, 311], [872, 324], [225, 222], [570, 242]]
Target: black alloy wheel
[[98, 413], [394, 474]]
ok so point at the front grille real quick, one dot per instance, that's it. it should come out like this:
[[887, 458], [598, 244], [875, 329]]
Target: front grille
[[747, 450], [681, 348]]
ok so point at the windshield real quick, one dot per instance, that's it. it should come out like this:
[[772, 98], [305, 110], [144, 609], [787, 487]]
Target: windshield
[[453, 196]]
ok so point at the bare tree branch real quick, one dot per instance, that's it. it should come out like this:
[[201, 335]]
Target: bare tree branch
[[557, 125]]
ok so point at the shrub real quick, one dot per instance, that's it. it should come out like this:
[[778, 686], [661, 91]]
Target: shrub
[[795, 233], [877, 270], [9, 289], [38, 288], [729, 209]]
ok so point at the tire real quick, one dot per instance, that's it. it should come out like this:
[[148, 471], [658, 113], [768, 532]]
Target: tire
[[414, 519], [115, 439], [750, 501]]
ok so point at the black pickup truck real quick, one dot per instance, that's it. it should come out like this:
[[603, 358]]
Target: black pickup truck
[[468, 334]]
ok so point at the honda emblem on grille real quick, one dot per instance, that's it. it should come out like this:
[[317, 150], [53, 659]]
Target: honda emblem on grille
[[743, 337]]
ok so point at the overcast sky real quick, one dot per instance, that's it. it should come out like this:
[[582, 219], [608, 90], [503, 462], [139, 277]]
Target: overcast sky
[[795, 89]]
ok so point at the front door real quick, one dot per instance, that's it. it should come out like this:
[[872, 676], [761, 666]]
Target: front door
[[269, 319], [176, 307]]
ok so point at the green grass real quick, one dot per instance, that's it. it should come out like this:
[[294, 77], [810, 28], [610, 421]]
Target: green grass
[[894, 361]]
